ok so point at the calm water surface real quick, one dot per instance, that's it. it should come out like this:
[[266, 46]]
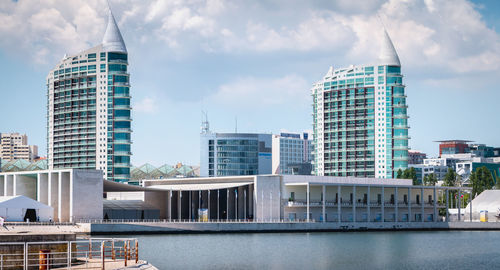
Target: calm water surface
[[344, 250]]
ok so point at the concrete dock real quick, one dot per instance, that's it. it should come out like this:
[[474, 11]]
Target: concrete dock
[[253, 227], [237, 227]]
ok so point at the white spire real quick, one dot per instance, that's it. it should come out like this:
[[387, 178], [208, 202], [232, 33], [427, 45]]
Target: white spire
[[113, 41], [388, 54], [330, 72]]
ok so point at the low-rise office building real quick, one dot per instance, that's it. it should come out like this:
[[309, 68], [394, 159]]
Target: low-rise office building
[[226, 154], [296, 197]]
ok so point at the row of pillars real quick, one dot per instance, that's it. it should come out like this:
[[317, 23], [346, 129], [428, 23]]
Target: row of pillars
[[396, 207], [218, 204]]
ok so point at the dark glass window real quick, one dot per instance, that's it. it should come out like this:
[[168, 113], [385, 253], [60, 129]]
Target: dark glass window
[[122, 124], [117, 56]]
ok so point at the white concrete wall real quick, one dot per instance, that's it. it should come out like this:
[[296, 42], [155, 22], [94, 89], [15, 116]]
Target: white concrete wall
[[267, 195], [73, 194], [87, 194], [25, 185]]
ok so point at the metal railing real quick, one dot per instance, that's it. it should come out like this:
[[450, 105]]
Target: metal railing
[[93, 253]]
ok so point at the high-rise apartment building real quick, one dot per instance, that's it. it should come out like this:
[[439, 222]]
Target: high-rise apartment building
[[15, 146], [360, 119], [88, 109], [291, 150]]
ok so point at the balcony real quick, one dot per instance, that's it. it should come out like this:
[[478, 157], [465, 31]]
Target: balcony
[[122, 165], [122, 153], [122, 141], [126, 130]]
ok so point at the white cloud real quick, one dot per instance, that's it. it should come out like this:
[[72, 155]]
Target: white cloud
[[444, 35], [146, 105], [252, 92]]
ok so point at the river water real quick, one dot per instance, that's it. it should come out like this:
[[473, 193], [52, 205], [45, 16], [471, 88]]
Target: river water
[[324, 250]]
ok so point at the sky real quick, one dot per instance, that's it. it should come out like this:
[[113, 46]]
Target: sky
[[254, 62]]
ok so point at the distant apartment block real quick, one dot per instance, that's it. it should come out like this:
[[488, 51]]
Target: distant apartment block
[[416, 157], [229, 154], [360, 126], [292, 153], [15, 146]]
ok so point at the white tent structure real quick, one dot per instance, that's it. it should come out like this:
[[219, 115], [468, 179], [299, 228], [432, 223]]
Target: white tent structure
[[20, 208], [488, 200]]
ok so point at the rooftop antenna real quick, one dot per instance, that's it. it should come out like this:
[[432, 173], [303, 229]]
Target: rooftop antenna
[[235, 124], [205, 126]]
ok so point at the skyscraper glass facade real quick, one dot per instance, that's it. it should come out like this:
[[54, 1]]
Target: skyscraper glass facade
[[88, 109], [360, 121]]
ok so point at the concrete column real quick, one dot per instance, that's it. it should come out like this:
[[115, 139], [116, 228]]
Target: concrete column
[[14, 185], [409, 204], [383, 204], [190, 206], [459, 204], [170, 206], [38, 184], [208, 208], [324, 203], [54, 193], [447, 201], [43, 188], [339, 207], [235, 203], [434, 199], [353, 203], [470, 206], [2, 185], [307, 203], [227, 204], [9, 185], [251, 201], [396, 200], [218, 203], [179, 205], [368, 208], [422, 204]]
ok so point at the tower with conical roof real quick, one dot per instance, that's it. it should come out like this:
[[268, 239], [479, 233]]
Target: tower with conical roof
[[88, 109], [360, 118]]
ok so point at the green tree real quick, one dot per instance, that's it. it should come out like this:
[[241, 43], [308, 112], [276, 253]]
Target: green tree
[[497, 180], [450, 178], [430, 180], [481, 180], [400, 174], [410, 173]]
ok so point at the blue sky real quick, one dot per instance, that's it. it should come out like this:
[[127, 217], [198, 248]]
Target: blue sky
[[255, 61]]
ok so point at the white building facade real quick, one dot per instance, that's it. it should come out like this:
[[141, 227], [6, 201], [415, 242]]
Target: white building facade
[[72, 193], [290, 149], [88, 109], [300, 198], [360, 119]]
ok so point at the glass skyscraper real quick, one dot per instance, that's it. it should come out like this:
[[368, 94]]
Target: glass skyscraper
[[360, 119], [88, 109]]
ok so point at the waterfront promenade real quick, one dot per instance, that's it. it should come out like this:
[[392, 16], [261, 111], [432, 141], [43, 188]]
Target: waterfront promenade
[[162, 226]]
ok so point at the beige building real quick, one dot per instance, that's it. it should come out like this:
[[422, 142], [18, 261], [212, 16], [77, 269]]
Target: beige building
[[15, 146]]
